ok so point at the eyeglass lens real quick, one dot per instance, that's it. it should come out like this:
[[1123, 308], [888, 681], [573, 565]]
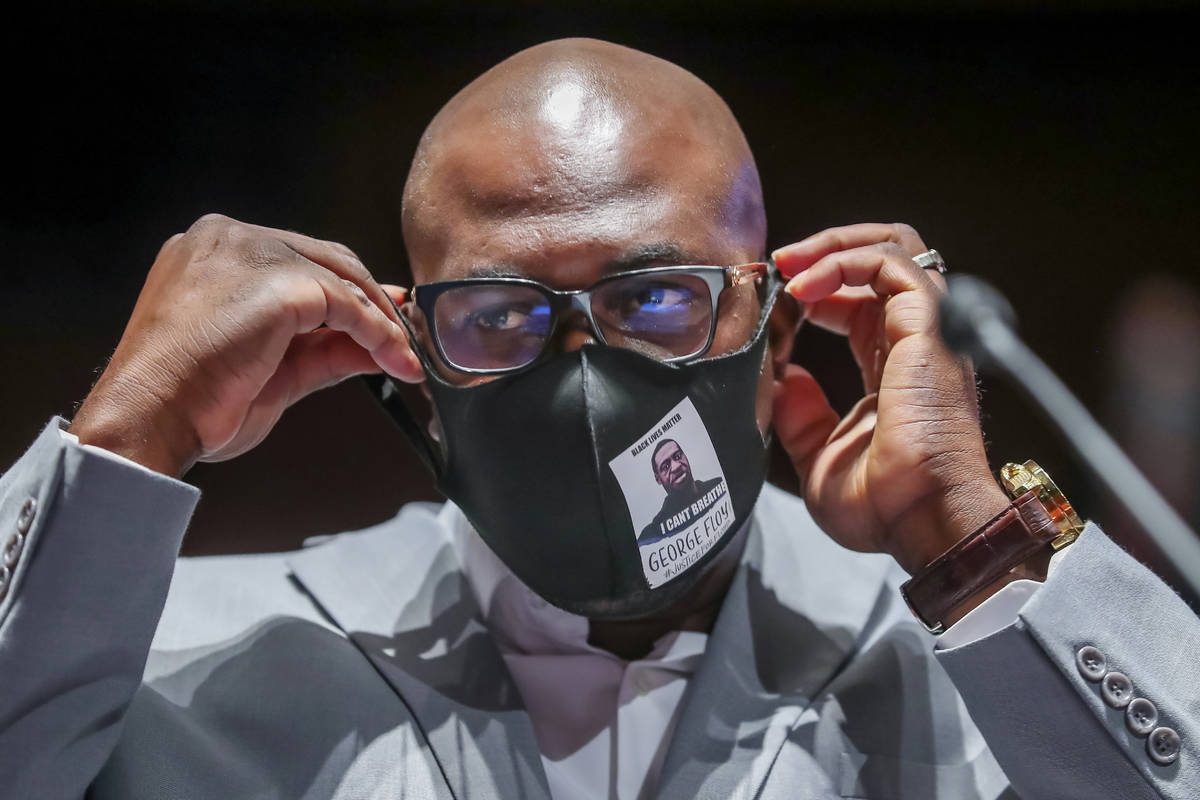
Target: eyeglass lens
[[661, 315], [505, 326], [491, 326]]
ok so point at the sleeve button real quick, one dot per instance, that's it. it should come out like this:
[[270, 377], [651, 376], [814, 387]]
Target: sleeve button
[[1091, 663], [1163, 745], [1117, 689], [12, 550], [1141, 717], [25, 518]]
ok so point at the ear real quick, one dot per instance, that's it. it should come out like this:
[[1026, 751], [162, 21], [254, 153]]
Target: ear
[[785, 320]]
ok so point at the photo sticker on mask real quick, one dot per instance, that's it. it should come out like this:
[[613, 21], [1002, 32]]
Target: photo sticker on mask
[[676, 492]]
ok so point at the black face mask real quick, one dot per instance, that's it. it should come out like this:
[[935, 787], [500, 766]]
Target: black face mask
[[604, 479]]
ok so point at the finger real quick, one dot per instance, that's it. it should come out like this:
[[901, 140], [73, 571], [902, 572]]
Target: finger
[[837, 312], [338, 259], [856, 312], [936, 278], [797, 257], [833, 481], [803, 418], [904, 294], [313, 361], [320, 359], [326, 299], [333, 256], [886, 268]]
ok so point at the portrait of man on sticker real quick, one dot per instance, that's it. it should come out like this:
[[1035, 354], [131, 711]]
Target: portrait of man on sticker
[[686, 497]]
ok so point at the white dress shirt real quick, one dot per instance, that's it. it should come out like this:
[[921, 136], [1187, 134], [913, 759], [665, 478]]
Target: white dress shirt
[[603, 724]]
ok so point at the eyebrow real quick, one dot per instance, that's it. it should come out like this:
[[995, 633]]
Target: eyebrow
[[649, 255], [494, 271], [656, 254]]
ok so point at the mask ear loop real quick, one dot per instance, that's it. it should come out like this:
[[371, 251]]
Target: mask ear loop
[[384, 390]]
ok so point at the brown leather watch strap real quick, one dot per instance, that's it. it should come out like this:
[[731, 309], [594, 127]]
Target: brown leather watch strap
[[1005, 541]]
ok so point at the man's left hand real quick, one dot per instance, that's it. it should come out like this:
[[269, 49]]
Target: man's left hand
[[904, 472]]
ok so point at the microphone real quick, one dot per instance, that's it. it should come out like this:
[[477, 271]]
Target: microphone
[[968, 314], [978, 321]]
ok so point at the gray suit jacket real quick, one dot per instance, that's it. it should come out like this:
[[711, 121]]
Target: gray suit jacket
[[358, 668]]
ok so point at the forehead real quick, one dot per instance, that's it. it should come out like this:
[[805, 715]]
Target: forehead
[[667, 452], [570, 193]]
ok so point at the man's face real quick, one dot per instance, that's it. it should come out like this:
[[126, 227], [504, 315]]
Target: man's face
[[579, 184], [671, 468]]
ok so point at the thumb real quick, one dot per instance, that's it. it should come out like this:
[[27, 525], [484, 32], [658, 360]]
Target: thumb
[[803, 418], [320, 359], [313, 361]]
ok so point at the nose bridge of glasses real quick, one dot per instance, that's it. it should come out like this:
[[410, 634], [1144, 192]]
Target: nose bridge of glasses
[[573, 315], [576, 325], [581, 302]]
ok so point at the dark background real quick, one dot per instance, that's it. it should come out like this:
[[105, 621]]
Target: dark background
[[1052, 151]]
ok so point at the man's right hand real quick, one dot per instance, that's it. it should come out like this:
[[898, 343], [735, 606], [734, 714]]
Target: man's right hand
[[235, 323]]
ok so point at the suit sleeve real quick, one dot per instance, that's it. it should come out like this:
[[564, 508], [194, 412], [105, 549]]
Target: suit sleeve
[[88, 542], [1048, 722]]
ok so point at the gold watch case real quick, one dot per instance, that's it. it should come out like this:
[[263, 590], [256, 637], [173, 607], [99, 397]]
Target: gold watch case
[[1018, 479]]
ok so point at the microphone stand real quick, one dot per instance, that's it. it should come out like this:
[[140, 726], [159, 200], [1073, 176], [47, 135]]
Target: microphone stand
[[976, 319]]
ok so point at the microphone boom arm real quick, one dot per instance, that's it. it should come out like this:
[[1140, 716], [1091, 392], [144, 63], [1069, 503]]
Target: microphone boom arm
[[993, 342]]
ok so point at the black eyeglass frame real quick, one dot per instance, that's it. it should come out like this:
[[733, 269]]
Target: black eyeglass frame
[[718, 279]]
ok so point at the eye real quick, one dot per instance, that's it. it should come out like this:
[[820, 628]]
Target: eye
[[499, 317], [654, 298]]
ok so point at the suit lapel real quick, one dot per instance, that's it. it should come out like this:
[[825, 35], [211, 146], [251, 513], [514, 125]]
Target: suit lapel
[[398, 591], [793, 616]]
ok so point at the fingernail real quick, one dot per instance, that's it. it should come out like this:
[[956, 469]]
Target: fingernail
[[784, 255]]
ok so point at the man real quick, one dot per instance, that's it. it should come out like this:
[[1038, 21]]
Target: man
[[586, 232], [674, 474]]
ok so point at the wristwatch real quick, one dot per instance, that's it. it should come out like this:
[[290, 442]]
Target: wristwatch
[[1038, 518]]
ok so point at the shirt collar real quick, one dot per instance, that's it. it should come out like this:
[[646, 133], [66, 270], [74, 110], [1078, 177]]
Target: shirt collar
[[522, 623]]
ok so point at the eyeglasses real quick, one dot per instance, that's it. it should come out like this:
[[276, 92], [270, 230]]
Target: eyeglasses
[[496, 325]]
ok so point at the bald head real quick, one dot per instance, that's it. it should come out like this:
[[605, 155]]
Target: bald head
[[575, 158]]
